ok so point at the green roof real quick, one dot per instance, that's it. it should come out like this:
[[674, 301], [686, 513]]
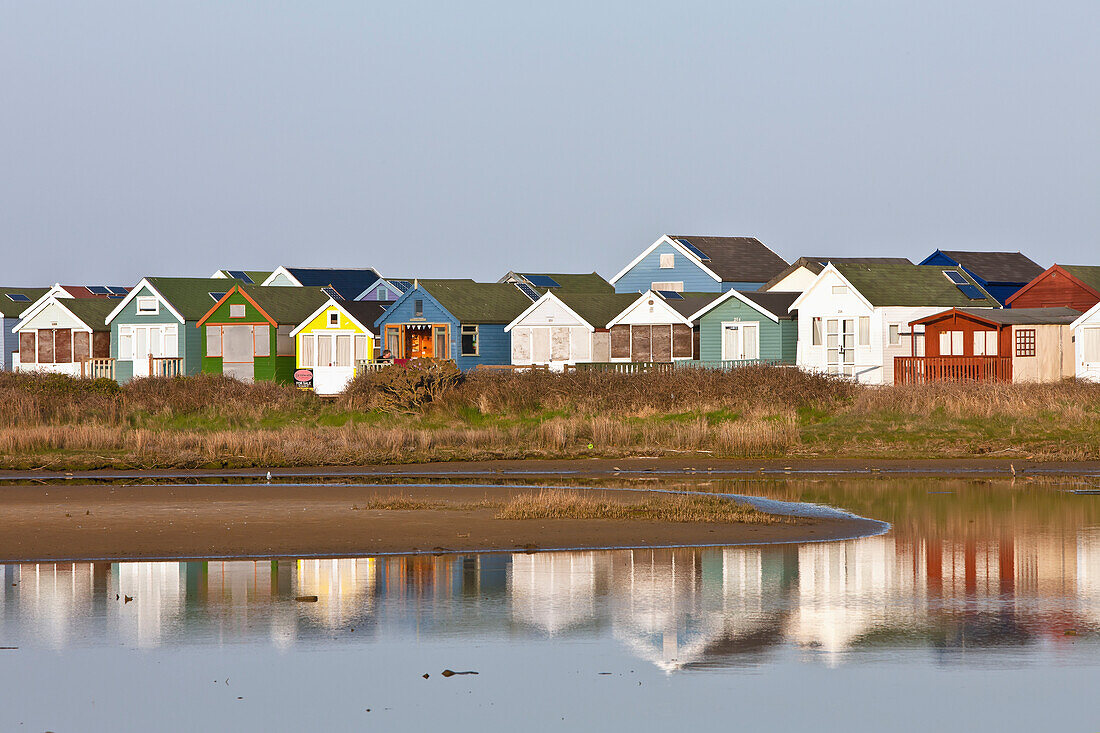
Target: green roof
[[93, 311], [474, 302], [909, 285], [1088, 274], [257, 276], [596, 308], [582, 282], [12, 308], [190, 295], [288, 306]]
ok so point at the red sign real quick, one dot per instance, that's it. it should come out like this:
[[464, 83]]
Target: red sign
[[303, 379]]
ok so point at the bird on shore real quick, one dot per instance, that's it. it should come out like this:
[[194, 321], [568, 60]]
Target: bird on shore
[[269, 476]]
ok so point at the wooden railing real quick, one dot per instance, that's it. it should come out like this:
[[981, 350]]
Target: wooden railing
[[923, 369], [636, 367], [362, 366], [165, 366], [97, 369]]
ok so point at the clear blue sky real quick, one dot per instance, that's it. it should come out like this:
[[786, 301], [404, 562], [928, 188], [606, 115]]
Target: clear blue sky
[[467, 139]]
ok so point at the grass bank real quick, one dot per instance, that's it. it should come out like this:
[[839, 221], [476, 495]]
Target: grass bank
[[53, 422]]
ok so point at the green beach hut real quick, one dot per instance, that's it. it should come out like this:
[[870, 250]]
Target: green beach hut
[[748, 326]]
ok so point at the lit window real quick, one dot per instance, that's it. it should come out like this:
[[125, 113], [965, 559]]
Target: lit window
[[469, 340], [668, 261]]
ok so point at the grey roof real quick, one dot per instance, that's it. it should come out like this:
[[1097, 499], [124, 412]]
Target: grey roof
[[737, 259], [1025, 316], [817, 264], [692, 303], [777, 303], [997, 267]]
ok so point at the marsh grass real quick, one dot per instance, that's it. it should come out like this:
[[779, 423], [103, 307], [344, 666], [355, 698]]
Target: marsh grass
[[562, 504], [50, 421]]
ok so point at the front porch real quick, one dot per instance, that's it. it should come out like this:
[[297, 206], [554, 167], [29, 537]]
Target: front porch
[[925, 369]]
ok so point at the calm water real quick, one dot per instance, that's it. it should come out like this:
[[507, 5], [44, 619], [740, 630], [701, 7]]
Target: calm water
[[979, 610]]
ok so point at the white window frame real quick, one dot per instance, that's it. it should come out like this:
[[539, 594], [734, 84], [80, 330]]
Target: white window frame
[[741, 326], [839, 290], [237, 310], [817, 331], [465, 329], [331, 316], [668, 261], [676, 287], [141, 303], [893, 332], [863, 331]]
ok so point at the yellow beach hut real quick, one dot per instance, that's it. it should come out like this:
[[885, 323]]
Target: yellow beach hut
[[329, 343]]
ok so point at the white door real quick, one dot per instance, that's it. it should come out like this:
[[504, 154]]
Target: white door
[[335, 362], [840, 346], [152, 341], [740, 341]]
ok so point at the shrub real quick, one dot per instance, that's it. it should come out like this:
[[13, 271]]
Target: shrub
[[405, 388]]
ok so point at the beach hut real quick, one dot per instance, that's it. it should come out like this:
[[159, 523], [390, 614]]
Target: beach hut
[[982, 344], [1069, 286], [13, 302], [741, 327], [1086, 342], [1001, 274], [153, 331], [657, 327], [854, 319], [701, 264], [246, 334], [565, 327], [460, 320], [66, 335], [333, 340]]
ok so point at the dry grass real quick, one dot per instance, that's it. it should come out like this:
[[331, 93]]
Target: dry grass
[[559, 504]]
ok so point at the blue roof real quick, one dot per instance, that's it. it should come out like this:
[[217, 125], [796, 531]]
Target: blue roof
[[348, 283]]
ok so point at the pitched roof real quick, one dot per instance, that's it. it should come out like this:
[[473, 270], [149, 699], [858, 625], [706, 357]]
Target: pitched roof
[[13, 308], [596, 308], [256, 276], [909, 285], [583, 282], [188, 295], [691, 303], [1025, 316], [1088, 274], [737, 259], [93, 311], [83, 291], [817, 264], [997, 267], [365, 311], [288, 306], [474, 302], [348, 282], [778, 302]]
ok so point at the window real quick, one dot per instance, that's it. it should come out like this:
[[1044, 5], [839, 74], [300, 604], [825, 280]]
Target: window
[[668, 261], [441, 351], [951, 343], [816, 325], [864, 330], [985, 343], [740, 341], [236, 310], [383, 294], [126, 342], [469, 340], [343, 350], [171, 342], [676, 287], [393, 341], [1025, 342], [147, 305], [284, 342], [308, 347], [334, 319], [418, 308], [261, 336], [214, 341], [840, 290], [1091, 346], [894, 334], [361, 349], [324, 350]]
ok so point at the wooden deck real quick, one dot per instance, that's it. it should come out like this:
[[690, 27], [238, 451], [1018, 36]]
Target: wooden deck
[[924, 369]]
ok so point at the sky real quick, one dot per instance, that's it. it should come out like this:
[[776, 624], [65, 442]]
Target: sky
[[469, 139]]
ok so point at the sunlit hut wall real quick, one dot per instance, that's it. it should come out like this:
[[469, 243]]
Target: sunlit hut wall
[[332, 340]]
